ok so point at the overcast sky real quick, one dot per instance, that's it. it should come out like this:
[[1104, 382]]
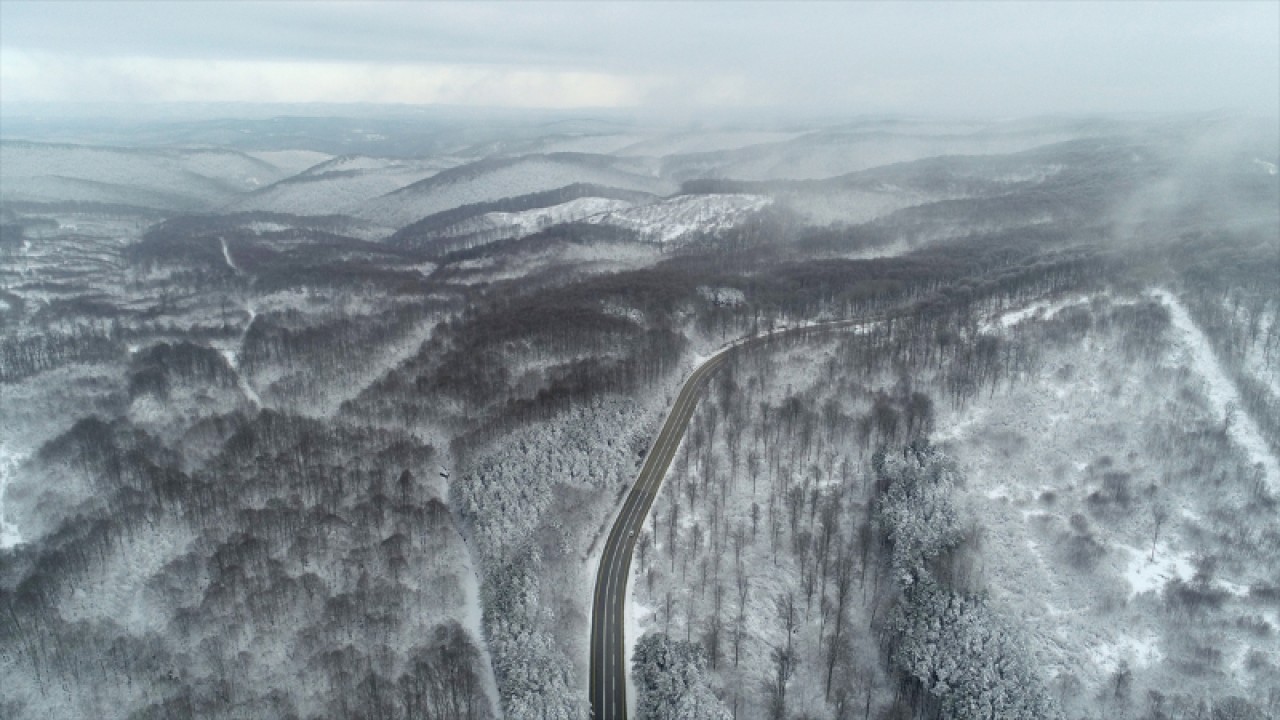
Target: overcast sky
[[950, 58]]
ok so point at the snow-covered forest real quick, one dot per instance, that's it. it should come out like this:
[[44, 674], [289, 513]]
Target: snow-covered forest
[[288, 432]]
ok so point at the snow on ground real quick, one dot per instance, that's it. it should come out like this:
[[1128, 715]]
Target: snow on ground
[[593, 258], [471, 619], [1037, 454], [1141, 651], [637, 617], [226, 255], [1219, 389], [1256, 364], [9, 462], [388, 358], [232, 353], [116, 587], [1146, 574], [784, 370], [1042, 309], [722, 295], [505, 225], [676, 218]]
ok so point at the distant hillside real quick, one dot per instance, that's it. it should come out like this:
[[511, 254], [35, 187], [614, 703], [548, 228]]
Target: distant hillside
[[831, 153], [497, 178], [339, 185], [513, 214], [162, 179]]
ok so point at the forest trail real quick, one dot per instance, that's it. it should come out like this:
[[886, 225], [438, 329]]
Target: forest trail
[[1221, 392]]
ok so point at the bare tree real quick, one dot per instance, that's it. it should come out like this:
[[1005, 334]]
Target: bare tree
[[1159, 515], [784, 657]]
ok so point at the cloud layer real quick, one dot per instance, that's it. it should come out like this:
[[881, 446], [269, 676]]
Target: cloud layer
[[949, 58]]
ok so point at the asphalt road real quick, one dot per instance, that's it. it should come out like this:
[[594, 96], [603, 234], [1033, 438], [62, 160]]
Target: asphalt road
[[609, 664]]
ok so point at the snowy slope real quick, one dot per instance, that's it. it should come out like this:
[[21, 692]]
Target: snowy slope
[[339, 185], [1042, 455], [502, 225], [291, 161], [153, 178], [676, 218], [491, 180], [9, 535], [1223, 397]]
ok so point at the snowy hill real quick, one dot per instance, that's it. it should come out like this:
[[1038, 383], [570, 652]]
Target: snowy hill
[[495, 226], [678, 218], [339, 185], [478, 223], [492, 179], [291, 161]]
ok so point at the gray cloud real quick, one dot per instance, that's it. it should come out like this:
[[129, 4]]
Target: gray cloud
[[948, 58]]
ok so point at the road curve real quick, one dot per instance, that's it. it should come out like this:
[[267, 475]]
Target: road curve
[[608, 644]]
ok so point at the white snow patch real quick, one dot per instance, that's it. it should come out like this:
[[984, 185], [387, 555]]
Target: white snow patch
[[1221, 392], [9, 462], [259, 228], [675, 218], [722, 295], [1268, 166], [518, 224], [1257, 363], [473, 621], [1139, 651], [232, 357], [1147, 575], [226, 255], [1041, 308]]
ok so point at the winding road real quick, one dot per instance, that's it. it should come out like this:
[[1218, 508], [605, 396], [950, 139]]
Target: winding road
[[608, 644]]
